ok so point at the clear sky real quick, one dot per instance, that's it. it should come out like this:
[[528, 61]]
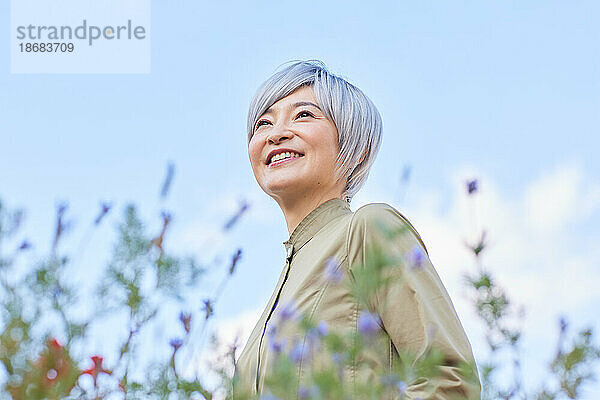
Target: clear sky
[[508, 92]]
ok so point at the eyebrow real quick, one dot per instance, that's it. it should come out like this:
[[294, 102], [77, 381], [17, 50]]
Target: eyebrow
[[294, 105]]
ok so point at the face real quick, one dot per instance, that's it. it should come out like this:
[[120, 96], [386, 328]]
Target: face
[[296, 124]]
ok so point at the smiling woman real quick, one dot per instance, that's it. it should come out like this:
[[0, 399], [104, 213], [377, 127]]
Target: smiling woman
[[312, 138], [293, 154]]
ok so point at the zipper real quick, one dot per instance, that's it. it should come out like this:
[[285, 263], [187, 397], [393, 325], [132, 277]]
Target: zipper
[[287, 266]]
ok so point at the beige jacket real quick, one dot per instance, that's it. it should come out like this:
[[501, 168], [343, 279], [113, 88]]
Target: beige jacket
[[415, 310]]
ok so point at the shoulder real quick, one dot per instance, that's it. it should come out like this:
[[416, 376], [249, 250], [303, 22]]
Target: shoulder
[[372, 211], [382, 218]]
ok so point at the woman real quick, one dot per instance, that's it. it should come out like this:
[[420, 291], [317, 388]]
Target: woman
[[312, 138]]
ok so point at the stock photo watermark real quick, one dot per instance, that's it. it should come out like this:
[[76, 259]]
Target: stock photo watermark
[[80, 36]]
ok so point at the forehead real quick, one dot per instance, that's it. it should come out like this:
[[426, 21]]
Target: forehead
[[303, 96]]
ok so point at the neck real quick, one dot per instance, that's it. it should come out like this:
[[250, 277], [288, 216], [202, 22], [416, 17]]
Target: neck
[[294, 210]]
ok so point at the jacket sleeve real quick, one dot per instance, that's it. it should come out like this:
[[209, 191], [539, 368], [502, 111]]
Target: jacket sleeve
[[415, 309]]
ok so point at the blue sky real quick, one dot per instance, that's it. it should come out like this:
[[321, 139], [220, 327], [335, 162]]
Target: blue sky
[[505, 91]]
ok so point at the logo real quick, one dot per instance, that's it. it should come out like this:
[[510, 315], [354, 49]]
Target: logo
[[83, 32]]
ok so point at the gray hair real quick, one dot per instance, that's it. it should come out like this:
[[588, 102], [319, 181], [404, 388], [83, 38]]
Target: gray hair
[[356, 118]]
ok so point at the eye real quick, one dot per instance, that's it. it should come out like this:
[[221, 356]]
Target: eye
[[304, 112], [259, 123]]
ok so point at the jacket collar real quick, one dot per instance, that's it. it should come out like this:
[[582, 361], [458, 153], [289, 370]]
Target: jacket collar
[[313, 222]]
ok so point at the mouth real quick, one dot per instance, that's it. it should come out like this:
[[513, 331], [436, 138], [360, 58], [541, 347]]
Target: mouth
[[286, 160], [282, 155]]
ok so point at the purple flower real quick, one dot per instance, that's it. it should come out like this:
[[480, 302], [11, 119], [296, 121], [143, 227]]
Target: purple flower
[[312, 336], [322, 328], [234, 261], [563, 324], [333, 272], [472, 186], [312, 342], [337, 357], [243, 207], [105, 208], [415, 258], [275, 345], [402, 386], [272, 331], [368, 323], [186, 319], [305, 393], [296, 352], [208, 308], [176, 343], [24, 245], [287, 312]]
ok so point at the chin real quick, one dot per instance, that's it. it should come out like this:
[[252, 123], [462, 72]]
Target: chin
[[282, 187]]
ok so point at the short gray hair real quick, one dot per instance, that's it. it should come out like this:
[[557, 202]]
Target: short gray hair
[[356, 118]]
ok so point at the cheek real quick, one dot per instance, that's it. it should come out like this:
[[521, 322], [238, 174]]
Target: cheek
[[326, 160], [333, 149], [331, 144], [254, 154]]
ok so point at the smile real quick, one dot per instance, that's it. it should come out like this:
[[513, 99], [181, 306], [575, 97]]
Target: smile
[[274, 164]]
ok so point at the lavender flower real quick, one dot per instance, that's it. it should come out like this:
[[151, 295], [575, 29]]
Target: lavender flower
[[186, 320], [312, 336], [168, 179], [105, 209], [337, 357], [176, 344], [272, 331], [305, 392], [275, 345], [313, 342], [243, 207], [296, 352], [288, 312], [402, 387], [234, 261], [333, 272], [208, 308], [322, 328], [415, 258], [472, 186], [368, 323], [394, 381], [563, 324]]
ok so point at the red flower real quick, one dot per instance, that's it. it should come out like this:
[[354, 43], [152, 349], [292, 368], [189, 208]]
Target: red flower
[[96, 369], [53, 344]]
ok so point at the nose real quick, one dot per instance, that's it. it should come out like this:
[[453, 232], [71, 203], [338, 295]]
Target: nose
[[278, 135]]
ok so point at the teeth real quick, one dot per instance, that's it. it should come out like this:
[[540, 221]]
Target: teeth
[[281, 156]]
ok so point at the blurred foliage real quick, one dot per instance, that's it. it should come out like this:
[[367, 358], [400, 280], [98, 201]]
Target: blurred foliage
[[43, 338]]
